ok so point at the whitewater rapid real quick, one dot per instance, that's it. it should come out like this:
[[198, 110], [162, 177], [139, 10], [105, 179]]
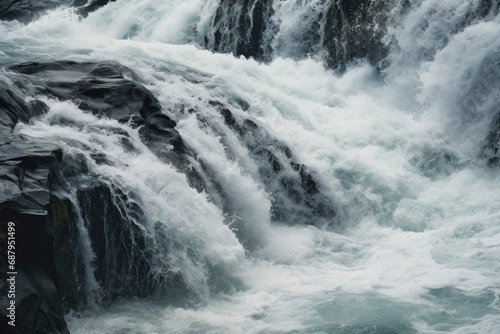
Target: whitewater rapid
[[415, 242]]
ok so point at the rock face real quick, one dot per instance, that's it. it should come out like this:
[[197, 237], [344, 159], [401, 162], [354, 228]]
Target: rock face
[[26, 172], [25, 175], [38, 303], [343, 31], [104, 90], [51, 199], [27, 10], [124, 254], [491, 149], [49, 259], [14, 108], [354, 30], [239, 26]]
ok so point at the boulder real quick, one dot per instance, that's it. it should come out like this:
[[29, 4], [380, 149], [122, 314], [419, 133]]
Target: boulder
[[52, 272], [355, 30], [103, 89], [114, 91]]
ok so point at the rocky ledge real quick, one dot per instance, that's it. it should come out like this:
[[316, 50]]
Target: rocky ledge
[[47, 260], [26, 11]]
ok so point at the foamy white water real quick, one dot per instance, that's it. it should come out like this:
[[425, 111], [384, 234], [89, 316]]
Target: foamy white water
[[414, 247]]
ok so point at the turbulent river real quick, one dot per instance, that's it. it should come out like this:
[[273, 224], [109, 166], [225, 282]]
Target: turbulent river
[[338, 199]]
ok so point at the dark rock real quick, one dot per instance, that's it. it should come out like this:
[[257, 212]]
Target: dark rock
[[85, 7], [228, 117], [25, 169], [126, 256], [38, 303], [251, 28], [100, 88], [239, 27], [33, 174], [297, 197], [122, 265], [103, 89], [491, 148], [354, 30], [26, 11], [68, 265], [14, 108], [160, 122], [106, 90]]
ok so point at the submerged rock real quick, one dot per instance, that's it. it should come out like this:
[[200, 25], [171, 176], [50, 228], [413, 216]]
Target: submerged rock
[[104, 90]]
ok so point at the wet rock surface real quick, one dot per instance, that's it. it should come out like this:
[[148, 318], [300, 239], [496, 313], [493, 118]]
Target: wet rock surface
[[239, 27], [355, 30], [25, 177], [491, 148], [107, 89], [343, 32], [50, 267], [26, 171]]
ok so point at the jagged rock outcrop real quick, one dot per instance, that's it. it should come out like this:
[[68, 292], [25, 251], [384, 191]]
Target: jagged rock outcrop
[[342, 32], [103, 89], [51, 271], [296, 192], [355, 30]]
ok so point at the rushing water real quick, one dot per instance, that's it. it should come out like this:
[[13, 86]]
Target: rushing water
[[414, 246]]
